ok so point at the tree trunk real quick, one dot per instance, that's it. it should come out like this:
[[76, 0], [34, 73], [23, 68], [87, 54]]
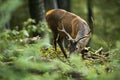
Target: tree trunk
[[37, 11], [90, 14], [64, 4], [50, 4]]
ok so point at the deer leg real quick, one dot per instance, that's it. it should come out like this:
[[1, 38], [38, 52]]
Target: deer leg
[[55, 41], [55, 45], [60, 43]]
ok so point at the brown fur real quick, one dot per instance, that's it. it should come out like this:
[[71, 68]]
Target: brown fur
[[73, 24]]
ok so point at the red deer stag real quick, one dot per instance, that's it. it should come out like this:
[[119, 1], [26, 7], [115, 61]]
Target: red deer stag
[[66, 25]]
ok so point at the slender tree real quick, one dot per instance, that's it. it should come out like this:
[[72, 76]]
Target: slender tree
[[90, 14], [50, 4], [64, 4], [37, 11]]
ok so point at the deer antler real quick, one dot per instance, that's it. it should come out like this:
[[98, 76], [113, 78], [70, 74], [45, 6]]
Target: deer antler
[[63, 30], [83, 37]]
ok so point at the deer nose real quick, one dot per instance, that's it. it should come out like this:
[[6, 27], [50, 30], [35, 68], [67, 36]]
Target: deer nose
[[76, 47]]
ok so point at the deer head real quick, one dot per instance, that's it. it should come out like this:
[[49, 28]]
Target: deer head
[[73, 43]]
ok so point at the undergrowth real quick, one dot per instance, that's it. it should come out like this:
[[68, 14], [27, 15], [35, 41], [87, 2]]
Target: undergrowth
[[25, 58]]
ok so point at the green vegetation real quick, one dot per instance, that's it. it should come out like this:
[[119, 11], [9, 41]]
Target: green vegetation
[[25, 58]]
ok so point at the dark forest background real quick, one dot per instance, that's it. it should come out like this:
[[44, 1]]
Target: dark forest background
[[26, 52]]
